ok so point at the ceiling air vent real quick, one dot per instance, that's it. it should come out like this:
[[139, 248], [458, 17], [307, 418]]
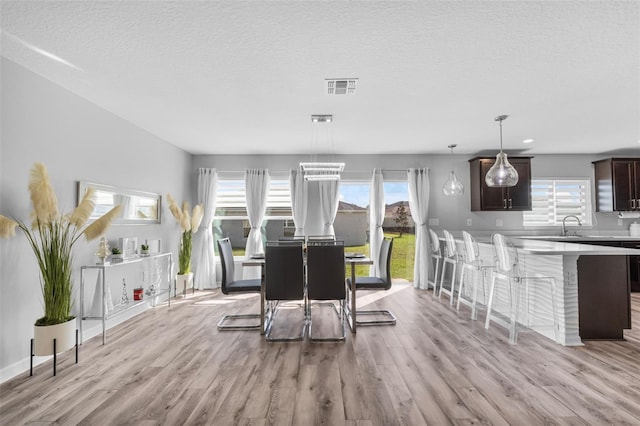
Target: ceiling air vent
[[341, 86]]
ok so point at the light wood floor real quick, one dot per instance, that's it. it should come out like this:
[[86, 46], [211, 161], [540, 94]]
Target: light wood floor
[[171, 366]]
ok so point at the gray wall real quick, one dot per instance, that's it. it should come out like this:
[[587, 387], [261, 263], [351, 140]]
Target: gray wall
[[76, 140]]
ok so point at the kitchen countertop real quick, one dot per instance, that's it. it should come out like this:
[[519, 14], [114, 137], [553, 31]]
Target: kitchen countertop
[[570, 238], [538, 246]]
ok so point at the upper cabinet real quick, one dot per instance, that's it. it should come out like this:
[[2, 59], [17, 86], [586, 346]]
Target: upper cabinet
[[617, 182], [485, 198]]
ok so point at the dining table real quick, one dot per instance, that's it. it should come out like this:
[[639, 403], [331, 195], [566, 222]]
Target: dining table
[[351, 259]]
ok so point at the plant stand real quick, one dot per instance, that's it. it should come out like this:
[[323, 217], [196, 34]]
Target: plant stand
[[55, 353], [183, 281]]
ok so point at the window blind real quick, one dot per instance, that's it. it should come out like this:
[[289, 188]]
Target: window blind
[[231, 199], [553, 199]]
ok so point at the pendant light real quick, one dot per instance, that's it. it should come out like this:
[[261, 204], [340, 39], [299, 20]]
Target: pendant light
[[318, 170], [502, 173], [452, 187]]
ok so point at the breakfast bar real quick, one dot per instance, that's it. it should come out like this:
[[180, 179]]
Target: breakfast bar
[[592, 286]]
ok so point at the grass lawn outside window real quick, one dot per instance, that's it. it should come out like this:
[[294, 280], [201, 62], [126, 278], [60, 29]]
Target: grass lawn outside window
[[402, 256]]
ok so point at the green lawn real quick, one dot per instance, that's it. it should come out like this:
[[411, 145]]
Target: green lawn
[[402, 256]]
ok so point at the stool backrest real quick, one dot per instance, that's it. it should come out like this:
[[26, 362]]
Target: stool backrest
[[505, 253], [450, 244], [435, 241], [471, 251]]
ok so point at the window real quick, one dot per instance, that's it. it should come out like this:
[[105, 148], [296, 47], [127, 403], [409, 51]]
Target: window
[[553, 199], [231, 199], [399, 225], [231, 219]]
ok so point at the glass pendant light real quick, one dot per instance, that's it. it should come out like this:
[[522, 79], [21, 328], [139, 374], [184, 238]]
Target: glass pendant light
[[502, 173], [452, 187]]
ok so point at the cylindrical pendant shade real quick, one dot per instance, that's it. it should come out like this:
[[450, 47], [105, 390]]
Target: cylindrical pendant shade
[[452, 187], [502, 173]]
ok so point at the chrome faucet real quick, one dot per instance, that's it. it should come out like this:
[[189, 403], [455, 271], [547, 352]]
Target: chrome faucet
[[564, 224]]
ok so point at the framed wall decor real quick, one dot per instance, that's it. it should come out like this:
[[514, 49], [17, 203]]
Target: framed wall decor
[[128, 245], [138, 207], [155, 246]]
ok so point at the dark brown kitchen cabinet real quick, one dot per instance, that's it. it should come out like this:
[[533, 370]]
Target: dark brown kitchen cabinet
[[634, 261], [617, 183], [634, 266], [485, 198]]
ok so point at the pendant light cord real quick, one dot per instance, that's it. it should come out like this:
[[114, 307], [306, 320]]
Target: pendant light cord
[[451, 148], [500, 119]]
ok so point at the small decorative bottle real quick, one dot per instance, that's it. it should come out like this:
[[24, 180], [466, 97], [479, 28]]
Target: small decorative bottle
[[103, 251], [125, 299]]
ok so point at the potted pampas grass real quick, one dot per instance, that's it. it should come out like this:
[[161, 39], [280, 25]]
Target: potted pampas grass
[[189, 222], [52, 236]]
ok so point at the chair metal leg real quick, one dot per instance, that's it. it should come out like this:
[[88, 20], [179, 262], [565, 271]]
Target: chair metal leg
[[271, 319], [223, 326], [384, 312], [352, 314], [341, 317], [350, 303]]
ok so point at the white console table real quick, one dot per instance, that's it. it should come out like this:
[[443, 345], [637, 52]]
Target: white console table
[[102, 270]]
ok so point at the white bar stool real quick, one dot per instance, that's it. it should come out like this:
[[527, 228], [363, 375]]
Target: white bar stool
[[436, 254], [452, 258], [532, 292], [472, 263]]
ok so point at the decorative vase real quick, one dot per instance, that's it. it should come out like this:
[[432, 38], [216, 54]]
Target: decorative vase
[[64, 333], [96, 310], [183, 282], [117, 257], [144, 252]]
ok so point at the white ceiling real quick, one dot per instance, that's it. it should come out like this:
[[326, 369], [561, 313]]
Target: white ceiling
[[244, 77]]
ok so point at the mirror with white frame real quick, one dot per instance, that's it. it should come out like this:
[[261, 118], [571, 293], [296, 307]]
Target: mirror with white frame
[[138, 207]]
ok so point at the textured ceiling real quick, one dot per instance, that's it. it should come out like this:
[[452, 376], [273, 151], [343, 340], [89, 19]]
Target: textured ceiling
[[244, 77]]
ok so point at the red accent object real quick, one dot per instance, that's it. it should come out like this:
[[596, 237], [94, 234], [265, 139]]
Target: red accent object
[[137, 293]]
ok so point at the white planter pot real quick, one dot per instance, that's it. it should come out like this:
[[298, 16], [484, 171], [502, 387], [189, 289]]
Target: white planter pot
[[184, 282], [64, 333]]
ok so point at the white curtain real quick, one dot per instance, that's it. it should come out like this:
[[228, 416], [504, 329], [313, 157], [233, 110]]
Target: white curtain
[[376, 217], [418, 180], [257, 189], [299, 200], [329, 198], [203, 244]]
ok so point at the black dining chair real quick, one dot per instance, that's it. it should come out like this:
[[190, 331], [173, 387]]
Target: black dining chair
[[284, 282], [383, 282], [232, 286], [325, 282]]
